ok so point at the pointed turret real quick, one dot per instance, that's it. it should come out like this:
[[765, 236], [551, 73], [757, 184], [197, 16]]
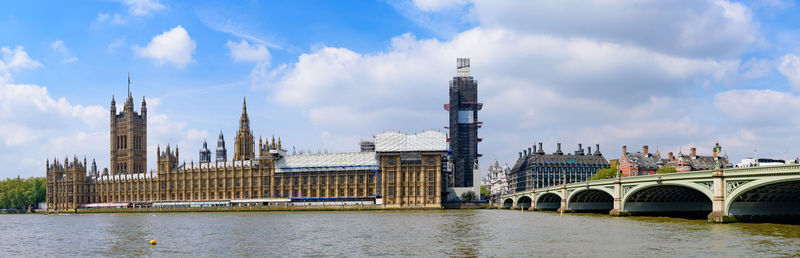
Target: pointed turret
[[244, 143], [222, 153], [144, 106], [205, 154]]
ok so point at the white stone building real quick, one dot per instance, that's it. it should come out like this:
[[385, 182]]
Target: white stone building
[[497, 181]]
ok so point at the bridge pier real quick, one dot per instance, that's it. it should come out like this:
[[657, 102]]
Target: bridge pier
[[564, 207], [617, 210], [718, 212]]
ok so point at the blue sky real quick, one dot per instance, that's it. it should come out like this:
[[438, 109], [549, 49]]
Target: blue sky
[[323, 75]]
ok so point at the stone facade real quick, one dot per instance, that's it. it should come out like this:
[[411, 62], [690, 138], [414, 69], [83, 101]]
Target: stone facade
[[66, 184], [535, 169], [411, 168], [640, 163], [497, 181], [128, 138], [205, 154], [244, 144], [222, 153], [416, 174]]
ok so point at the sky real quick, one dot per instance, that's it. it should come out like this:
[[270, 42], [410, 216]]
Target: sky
[[323, 75]]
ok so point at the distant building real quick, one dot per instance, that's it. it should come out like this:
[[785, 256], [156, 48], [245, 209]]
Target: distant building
[[411, 168], [128, 137], [536, 169], [693, 162], [640, 163], [403, 171], [222, 154], [205, 154], [763, 162], [645, 163], [367, 146], [497, 181], [244, 144], [464, 124]]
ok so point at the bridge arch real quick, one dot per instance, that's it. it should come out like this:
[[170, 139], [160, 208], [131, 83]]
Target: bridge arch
[[548, 201], [765, 198], [508, 203], [524, 202], [678, 199], [591, 200]]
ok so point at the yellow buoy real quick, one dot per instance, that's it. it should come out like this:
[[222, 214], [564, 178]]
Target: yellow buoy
[[153, 242]]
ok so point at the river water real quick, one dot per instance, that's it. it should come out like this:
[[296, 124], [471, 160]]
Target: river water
[[394, 233]]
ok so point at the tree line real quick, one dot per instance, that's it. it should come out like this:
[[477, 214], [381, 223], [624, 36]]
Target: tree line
[[18, 193]]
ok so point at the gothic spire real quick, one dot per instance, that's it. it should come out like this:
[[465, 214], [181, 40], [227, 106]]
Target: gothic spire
[[129, 84]]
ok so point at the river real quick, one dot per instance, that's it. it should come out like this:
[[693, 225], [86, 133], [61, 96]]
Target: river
[[394, 233]]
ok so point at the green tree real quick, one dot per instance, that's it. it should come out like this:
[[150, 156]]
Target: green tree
[[485, 191], [666, 170], [17, 193], [468, 196], [604, 173]]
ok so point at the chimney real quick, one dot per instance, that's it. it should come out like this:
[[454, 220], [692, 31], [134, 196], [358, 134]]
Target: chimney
[[671, 157], [520, 154], [589, 151], [624, 150], [558, 149], [580, 148], [529, 151], [693, 154], [644, 149], [534, 147], [541, 150], [524, 153], [597, 151]]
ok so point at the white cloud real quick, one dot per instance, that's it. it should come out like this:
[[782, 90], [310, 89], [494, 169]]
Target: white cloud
[[143, 7], [173, 46], [438, 5], [704, 28], [114, 19], [36, 126], [258, 53], [579, 67], [602, 72], [790, 67], [59, 47], [15, 60], [116, 43], [758, 107], [242, 51], [102, 17]]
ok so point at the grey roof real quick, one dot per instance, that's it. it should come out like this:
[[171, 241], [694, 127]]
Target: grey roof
[[423, 141], [343, 161], [646, 160], [701, 162], [532, 160]]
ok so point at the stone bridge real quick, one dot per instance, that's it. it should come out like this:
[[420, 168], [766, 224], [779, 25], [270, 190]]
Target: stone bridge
[[725, 194]]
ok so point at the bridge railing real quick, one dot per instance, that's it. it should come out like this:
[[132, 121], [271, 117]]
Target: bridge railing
[[702, 174], [790, 168]]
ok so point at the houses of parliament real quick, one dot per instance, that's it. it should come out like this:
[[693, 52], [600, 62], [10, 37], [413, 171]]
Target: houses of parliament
[[394, 170]]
